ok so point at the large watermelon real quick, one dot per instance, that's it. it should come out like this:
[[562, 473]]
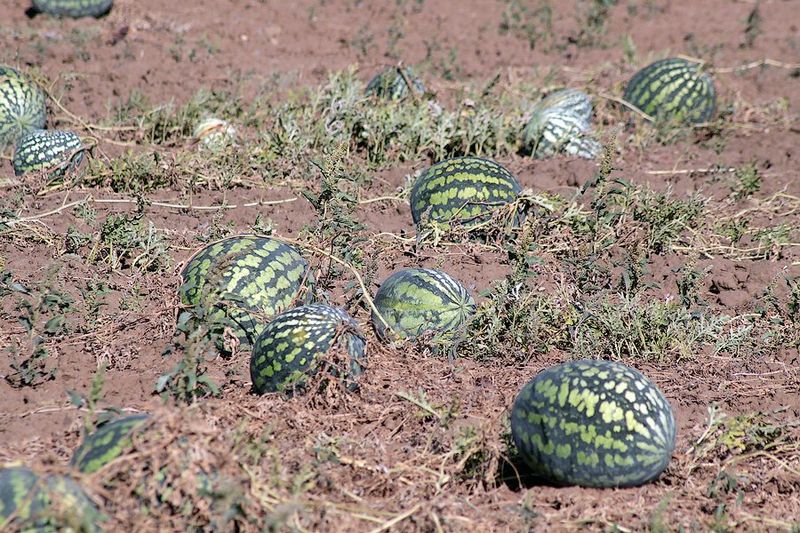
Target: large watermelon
[[106, 443], [22, 106], [390, 83], [594, 424], [51, 503], [673, 89], [239, 282], [561, 123], [73, 8], [418, 300], [292, 346], [462, 189], [54, 151]]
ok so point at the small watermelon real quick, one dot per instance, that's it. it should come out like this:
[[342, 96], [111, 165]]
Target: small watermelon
[[106, 443], [417, 300], [291, 347], [54, 151], [22, 106], [673, 89], [240, 281], [52, 503], [595, 424], [463, 189], [73, 8], [215, 133], [391, 84], [560, 123]]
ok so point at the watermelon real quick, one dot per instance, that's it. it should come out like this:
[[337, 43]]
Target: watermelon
[[214, 133], [462, 189], [390, 84], [52, 503], [54, 151], [22, 106], [292, 346], [419, 300], [595, 424], [673, 89], [560, 123], [106, 443], [73, 8], [238, 282]]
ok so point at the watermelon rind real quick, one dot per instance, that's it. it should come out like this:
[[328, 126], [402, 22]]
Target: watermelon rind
[[22, 106], [595, 424], [415, 301], [291, 348], [673, 89], [463, 190]]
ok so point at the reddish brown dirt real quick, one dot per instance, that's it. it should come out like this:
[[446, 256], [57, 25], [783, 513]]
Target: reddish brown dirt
[[168, 51]]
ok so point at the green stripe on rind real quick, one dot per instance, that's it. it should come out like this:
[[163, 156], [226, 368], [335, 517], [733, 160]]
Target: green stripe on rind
[[53, 150], [16, 484], [462, 188], [243, 280], [22, 106], [55, 503], [673, 89], [414, 301], [106, 443], [73, 8], [291, 347], [593, 423]]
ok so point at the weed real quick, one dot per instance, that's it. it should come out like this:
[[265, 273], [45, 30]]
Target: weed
[[42, 312], [531, 24], [748, 181], [593, 22], [188, 380], [128, 241], [752, 27]]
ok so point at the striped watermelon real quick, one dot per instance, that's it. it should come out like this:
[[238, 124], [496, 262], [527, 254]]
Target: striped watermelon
[[106, 443], [55, 151], [215, 133], [391, 84], [293, 345], [239, 282], [463, 189], [73, 8], [418, 300], [594, 424], [561, 123], [673, 89], [29, 502], [22, 106]]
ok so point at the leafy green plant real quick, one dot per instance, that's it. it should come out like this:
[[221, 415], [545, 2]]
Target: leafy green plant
[[188, 380], [42, 312]]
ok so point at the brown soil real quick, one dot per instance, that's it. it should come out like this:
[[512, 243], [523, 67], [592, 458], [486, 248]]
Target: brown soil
[[386, 462]]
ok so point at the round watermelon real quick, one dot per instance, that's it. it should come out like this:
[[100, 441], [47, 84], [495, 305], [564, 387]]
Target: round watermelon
[[595, 424], [419, 300], [293, 345], [561, 123], [673, 89], [462, 189], [391, 84], [239, 282], [22, 106], [215, 133], [73, 8], [54, 151], [106, 443], [52, 503]]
